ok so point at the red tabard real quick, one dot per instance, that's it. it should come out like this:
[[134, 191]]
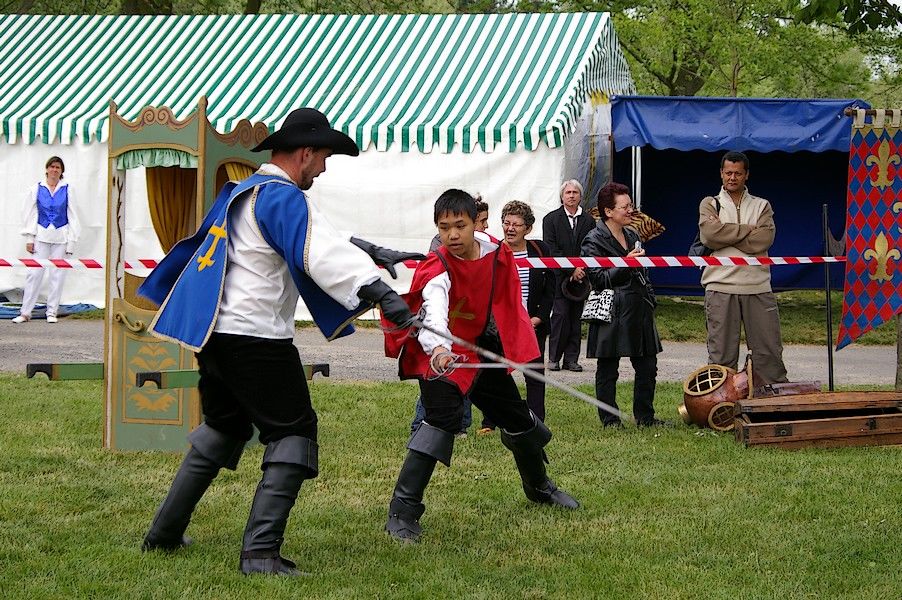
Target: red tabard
[[469, 298]]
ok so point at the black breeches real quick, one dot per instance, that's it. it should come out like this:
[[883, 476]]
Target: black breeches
[[247, 381], [495, 393]]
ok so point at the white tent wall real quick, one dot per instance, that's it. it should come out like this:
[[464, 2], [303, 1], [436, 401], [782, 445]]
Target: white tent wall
[[22, 166], [385, 197]]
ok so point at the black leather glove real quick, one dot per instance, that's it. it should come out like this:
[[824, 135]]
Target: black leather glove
[[386, 257], [393, 306]]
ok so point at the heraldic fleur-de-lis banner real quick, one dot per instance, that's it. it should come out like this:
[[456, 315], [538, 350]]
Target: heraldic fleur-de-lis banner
[[873, 289]]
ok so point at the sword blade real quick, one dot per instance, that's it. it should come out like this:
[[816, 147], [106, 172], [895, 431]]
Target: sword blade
[[487, 366], [526, 369]]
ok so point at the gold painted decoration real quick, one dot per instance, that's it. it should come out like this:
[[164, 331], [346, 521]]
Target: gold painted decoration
[[882, 253], [244, 134], [156, 115], [883, 160], [147, 354]]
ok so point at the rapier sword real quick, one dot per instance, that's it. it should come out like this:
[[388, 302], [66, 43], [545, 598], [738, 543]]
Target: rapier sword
[[526, 369]]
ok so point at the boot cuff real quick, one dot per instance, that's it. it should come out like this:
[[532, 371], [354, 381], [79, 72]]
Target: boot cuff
[[532, 439], [433, 442], [294, 450]]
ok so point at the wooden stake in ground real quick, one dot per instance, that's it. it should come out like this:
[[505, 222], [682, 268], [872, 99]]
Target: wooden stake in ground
[[899, 353]]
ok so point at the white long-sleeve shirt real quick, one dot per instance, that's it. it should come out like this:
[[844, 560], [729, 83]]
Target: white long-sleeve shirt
[[436, 294], [259, 296], [67, 234]]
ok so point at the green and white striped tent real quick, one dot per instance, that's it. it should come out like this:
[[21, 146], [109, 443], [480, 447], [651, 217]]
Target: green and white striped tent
[[506, 105]]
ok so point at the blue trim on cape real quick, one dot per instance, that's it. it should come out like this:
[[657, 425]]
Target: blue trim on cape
[[188, 282]]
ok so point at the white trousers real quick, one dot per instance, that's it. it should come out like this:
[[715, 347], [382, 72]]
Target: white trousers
[[36, 275]]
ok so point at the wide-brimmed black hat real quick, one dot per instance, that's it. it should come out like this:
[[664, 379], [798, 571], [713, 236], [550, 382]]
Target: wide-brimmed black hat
[[308, 128]]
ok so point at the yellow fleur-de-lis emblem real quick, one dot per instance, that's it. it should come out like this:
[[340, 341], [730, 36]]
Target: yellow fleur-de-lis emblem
[[883, 160], [897, 208], [882, 253], [218, 232]]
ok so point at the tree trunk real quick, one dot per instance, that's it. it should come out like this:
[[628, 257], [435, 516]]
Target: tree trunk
[[252, 7], [146, 7]]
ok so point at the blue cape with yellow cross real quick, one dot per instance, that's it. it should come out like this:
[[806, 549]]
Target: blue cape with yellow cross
[[188, 282]]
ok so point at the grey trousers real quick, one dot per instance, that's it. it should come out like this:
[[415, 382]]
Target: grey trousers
[[760, 318]]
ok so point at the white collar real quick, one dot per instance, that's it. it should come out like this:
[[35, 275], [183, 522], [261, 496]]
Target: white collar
[[579, 211], [58, 186], [271, 169]]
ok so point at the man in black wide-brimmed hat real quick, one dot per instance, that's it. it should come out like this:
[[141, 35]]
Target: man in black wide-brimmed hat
[[229, 294]]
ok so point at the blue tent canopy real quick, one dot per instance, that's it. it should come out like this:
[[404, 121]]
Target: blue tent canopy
[[799, 152], [713, 124]]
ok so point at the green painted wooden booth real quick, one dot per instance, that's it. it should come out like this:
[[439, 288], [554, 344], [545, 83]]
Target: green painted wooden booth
[[186, 163]]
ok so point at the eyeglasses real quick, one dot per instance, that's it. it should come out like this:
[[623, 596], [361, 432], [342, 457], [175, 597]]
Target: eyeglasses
[[508, 224], [625, 207]]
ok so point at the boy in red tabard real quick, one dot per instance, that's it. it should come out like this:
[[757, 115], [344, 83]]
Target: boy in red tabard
[[468, 287]]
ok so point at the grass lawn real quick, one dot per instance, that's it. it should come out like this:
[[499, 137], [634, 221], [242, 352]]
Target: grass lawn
[[803, 319], [679, 513]]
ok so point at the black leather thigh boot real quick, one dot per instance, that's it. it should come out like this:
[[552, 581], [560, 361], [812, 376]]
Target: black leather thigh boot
[[527, 448], [286, 464], [210, 451], [427, 446]]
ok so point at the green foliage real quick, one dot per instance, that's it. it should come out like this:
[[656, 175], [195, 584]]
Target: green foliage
[[858, 16], [735, 48], [680, 513]]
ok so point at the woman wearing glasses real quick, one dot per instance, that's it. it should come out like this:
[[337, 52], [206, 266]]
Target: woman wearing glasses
[[536, 290], [631, 331]]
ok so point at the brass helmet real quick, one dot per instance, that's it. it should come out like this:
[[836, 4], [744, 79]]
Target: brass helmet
[[710, 394]]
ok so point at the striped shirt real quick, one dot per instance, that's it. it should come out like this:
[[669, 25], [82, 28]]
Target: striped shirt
[[523, 272]]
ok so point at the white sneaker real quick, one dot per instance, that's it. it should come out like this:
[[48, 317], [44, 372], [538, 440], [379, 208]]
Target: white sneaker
[[51, 319], [20, 319]]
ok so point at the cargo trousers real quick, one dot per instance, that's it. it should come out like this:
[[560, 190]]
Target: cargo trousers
[[760, 318]]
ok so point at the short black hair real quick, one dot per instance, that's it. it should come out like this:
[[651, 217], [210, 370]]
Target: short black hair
[[735, 157], [455, 202]]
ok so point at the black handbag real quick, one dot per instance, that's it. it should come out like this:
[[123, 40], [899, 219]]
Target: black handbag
[[698, 248]]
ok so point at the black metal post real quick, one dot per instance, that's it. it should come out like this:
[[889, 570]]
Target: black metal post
[[826, 227]]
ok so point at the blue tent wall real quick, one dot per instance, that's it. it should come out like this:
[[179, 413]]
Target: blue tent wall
[[796, 184]]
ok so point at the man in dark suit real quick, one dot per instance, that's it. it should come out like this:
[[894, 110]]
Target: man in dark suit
[[563, 230]]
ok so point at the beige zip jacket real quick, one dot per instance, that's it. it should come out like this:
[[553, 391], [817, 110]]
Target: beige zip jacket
[[746, 229]]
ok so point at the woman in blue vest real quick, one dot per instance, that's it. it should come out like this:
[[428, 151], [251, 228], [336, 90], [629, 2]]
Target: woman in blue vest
[[51, 230]]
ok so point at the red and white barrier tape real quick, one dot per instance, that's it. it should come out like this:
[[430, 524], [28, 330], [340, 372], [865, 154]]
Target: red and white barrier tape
[[548, 262], [73, 263], [673, 261]]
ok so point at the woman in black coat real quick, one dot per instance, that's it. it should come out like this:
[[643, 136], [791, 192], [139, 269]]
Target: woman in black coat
[[632, 330]]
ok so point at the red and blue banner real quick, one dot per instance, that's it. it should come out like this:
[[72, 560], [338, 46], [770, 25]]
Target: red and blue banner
[[873, 288]]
